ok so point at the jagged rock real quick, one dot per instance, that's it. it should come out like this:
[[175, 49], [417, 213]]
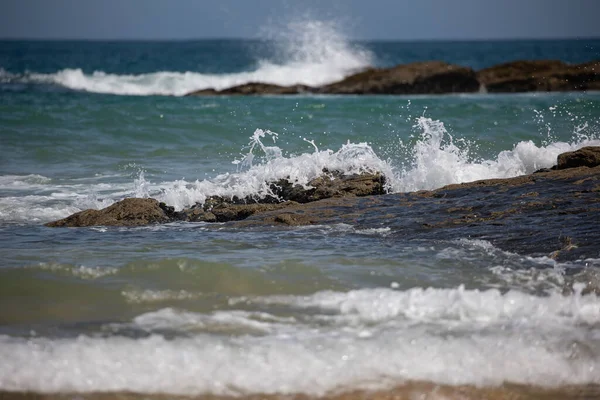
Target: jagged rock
[[133, 212], [429, 77], [540, 75], [128, 212], [254, 88], [585, 157], [331, 184]]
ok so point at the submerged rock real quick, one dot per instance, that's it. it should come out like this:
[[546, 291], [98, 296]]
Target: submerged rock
[[585, 157], [429, 77], [254, 88], [540, 76]]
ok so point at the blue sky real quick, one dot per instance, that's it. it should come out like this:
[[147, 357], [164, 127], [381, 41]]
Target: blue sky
[[361, 19]]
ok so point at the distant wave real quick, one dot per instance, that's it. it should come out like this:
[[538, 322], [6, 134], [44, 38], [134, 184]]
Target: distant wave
[[313, 53]]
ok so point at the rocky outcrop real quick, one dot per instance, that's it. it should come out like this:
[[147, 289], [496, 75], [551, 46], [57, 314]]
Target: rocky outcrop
[[540, 76], [284, 194], [254, 88], [552, 213], [128, 212], [584, 157], [437, 77], [431, 77], [135, 212], [330, 184]]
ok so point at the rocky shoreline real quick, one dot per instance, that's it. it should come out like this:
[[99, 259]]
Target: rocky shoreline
[[437, 77], [553, 212]]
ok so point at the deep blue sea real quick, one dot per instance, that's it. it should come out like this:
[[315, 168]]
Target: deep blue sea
[[194, 308]]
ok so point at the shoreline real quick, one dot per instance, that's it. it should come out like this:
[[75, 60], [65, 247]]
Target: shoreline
[[409, 390]]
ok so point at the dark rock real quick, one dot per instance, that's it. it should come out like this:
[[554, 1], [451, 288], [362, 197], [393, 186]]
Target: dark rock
[[128, 212], [437, 77], [430, 77], [546, 198], [133, 212], [254, 88], [236, 212], [331, 184], [584, 157], [541, 75]]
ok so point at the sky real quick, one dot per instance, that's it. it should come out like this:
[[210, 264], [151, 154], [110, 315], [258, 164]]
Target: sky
[[360, 19]]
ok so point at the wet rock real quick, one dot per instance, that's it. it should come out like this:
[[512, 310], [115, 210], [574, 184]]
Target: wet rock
[[135, 212], [429, 77], [585, 157], [254, 88], [237, 212], [437, 77], [540, 76], [128, 212], [331, 184]]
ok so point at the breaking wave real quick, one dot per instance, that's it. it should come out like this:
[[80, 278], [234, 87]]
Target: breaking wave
[[368, 338], [311, 52], [435, 159]]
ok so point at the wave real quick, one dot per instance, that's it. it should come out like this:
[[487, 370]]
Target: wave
[[368, 338], [435, 159], [308, 52]]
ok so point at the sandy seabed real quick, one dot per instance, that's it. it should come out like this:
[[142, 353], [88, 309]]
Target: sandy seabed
[[409, 391]]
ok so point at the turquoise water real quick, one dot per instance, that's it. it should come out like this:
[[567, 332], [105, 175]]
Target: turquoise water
[[193, 308]]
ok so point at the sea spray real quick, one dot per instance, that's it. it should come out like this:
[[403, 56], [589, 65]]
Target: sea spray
[[255, 175], [306, 51], [437, 158]]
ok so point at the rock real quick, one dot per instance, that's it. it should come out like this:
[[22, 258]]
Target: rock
[[540, 75], [430, 77], [254, 88], [584, 157], [128, 212], [331, 184], [237, 212], [437, 77], [134, 212]]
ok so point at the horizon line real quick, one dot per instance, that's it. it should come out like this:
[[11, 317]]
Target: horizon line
[[216, 38]]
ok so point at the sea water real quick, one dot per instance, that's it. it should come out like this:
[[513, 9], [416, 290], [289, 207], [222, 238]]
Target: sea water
[[195, 308]]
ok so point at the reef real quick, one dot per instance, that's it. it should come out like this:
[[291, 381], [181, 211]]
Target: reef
[[437, 77], [552, 212]]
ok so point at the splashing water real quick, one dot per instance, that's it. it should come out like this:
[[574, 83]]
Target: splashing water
[[438, 159], [310, 52], [254, 175]]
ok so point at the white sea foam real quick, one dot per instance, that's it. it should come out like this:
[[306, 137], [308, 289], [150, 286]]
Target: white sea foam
[[437, 159], [256, 171], [79, 271], [433, 161], [362, 338], [313, 53]]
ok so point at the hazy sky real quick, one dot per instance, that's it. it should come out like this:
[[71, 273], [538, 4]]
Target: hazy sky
[[361, 19]]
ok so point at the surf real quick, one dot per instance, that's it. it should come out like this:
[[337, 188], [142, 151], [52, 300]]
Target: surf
[[303, 51]]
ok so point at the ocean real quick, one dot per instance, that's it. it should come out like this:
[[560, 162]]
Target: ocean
[[193, 309]]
